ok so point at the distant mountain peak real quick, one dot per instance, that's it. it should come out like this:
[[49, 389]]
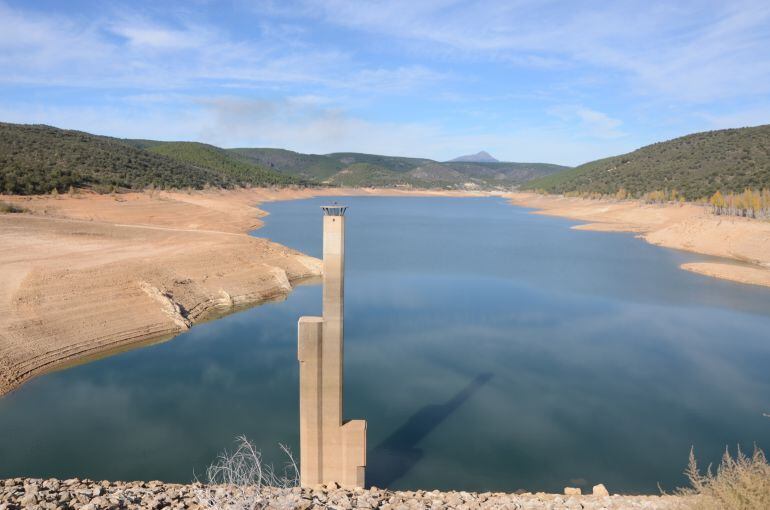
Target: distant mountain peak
[[479, 157]]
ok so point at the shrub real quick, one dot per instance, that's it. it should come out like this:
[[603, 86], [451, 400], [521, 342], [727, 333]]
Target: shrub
[[7, 207], [740, 483]]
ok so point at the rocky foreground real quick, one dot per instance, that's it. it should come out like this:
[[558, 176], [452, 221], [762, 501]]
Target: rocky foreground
[[91, 495]]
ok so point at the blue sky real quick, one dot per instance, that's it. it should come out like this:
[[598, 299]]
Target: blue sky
[[562, 82]]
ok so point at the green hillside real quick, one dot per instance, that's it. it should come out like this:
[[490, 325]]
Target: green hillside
[[357, 169], [369, 175], [141, 143], [515, 173], [695, 165], [307, 166], [395, 164], [213, 158], [39, 159]]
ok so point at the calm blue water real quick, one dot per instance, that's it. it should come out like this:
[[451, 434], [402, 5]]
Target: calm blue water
[[487, 347]]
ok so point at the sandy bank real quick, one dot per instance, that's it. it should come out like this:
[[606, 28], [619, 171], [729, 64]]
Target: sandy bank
[[29, 493], [687, 227], [89, 275]]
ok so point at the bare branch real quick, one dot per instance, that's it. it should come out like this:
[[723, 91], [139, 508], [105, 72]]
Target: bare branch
[[242, 481]]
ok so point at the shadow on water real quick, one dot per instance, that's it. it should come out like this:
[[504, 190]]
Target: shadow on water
[[398, 453]]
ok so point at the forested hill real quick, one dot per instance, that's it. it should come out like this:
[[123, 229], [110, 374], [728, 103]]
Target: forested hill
[[39, 159], [358, 169], [220, 160], [314, 167], [695, 166]]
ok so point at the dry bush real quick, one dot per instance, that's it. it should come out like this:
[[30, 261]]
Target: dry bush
[[740, 483], [241, 481], [9, 208]]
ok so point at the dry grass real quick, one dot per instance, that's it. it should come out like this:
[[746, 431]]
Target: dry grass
[[740, 483]]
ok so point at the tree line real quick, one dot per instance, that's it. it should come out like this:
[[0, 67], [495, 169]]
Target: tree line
[[749, 204]]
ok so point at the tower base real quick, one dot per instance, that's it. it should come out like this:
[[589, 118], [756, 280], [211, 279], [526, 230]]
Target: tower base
[[330, 451]]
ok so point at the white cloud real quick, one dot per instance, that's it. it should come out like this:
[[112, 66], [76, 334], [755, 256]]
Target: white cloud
[[693, 50], [397, 79], [141, 35], [42, 48], [303, 126], [742, 117], [128, 50], [591, 123]]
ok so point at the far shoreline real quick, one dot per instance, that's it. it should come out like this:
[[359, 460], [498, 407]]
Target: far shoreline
[[687, 227], [133, 268]]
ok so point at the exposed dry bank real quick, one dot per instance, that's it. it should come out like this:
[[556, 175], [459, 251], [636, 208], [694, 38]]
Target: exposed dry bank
[[687, 227], [82, 276], [86, 275]]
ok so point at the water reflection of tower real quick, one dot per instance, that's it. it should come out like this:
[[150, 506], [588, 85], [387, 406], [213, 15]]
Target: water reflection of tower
[[330, 450]]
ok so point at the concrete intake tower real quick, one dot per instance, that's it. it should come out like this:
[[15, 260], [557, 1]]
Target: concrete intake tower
[[330, 450]]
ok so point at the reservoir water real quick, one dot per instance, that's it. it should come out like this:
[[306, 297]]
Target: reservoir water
[[488, 348]]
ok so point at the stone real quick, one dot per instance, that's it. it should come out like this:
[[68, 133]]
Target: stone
[[304, 504], [343, 504], [52, 484], [572, 491], [600, 490], [100, 502], [362, 502], [28, 499], [129, 496]]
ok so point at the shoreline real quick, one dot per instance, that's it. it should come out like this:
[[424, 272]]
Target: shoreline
[[86, 276], [744, 243]]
